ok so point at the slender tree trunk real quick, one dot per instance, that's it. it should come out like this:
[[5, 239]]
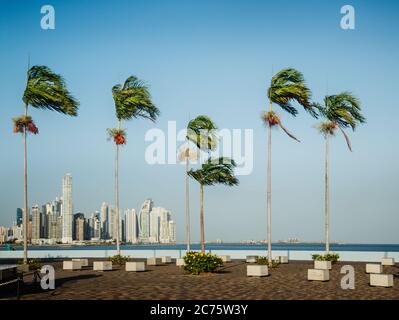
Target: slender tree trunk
[[118, 249], [326, 200], [26, 212], [202, 219], [269, 193], [187, 208]]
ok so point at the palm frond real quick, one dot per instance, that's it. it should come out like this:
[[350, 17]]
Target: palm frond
[[202, 131], [47, 90], [215, 171], [287, 132], [346, 138], [133, 100]]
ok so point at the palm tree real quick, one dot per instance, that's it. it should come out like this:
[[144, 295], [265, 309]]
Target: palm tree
[[286, 86], [132, 100], [202, 132], [44, 90], [213, 171], [340, 111]]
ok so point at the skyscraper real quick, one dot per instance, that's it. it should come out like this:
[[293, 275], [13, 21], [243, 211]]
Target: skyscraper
[[144, 220], [19, 217], [172, 231], [36, 223], [104, 219], [67, 209], [112, 223], [131, 225], [79, 227], [155, 225], [164, 227]]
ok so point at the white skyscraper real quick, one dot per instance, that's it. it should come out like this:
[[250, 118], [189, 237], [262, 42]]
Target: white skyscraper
[[144, 220], [131, 225], [172, 231], [67, 209], [104, 219], [164, 228], [36, 223], [155, 216]]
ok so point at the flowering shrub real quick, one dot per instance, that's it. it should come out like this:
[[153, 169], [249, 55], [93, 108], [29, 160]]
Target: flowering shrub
[[333, 257], [118, 259], [24, 122], [265, 261], [197, 262]]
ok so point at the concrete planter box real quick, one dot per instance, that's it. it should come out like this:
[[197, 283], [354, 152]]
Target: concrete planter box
[[225, 258], [323, 265], [252, 259], [83, 262], [318, 274], [257, 271], [71, 265], [154, 261], [373, 268], [166, 259], [283, 259], [102, 265], [381, 280], [180, 262], [135, 266], [388, 261]]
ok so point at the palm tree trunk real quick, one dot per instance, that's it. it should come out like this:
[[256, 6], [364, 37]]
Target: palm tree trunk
[[326, 201], [269, 193], [118, 249], [25, 215], [187, 209], [202, 219]]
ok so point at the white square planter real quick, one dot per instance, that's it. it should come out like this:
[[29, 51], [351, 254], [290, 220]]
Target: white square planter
[[135, 266], [323, 265], [257, 271], [225, 258], [102, 265], [373, 268], [318, 274], [388, 261], [154, 261], [83, 262], [166, 259], [381, 280], [180, 262], [283, 259], [252, 259], [71, 265]]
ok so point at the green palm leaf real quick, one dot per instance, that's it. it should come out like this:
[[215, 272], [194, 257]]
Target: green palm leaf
[[47, 90], [202, 132], [133, 100]]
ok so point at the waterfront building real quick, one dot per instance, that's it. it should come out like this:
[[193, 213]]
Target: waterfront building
[[144, 220], [67, 209], [131, 226], [19, 216], [36, 223], [104, 219]]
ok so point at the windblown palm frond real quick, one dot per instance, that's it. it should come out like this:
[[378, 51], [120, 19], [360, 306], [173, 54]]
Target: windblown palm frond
[[202, 132], [287, 86], [215, 171], [47, 90], [133, 100], [272, 119]]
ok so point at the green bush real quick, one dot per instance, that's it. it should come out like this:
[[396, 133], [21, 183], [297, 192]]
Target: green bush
[[118, 259], [265, 261], [333, 257], [196, 262]]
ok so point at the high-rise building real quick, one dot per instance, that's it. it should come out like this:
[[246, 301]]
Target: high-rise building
[[131, 226], [67, 209], [144, 220], [104, 219], [36, 223], [79, 227], [155, 224], [172, 231], [112, 223], [19, 216]]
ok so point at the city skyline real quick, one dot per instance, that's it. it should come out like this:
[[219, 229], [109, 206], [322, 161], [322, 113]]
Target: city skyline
[[228, 52]]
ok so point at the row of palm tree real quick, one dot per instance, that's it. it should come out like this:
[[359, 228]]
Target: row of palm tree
[[47, 90]]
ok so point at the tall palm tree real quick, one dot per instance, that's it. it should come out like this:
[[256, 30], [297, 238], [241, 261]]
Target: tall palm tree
[[213, 171], [340, 111], [132, 100], [202, 132], [44, 90], [286, 86]]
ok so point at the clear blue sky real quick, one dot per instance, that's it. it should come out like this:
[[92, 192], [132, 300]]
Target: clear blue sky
[[215, 58]]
